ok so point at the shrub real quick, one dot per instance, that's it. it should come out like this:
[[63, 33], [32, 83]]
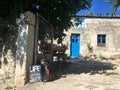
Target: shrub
[[102, 57], [86, 57], [112, 58]]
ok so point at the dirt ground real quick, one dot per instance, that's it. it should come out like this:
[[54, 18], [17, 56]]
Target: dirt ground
[[83, 74]]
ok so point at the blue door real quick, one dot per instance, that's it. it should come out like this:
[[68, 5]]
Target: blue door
[[75, 45]]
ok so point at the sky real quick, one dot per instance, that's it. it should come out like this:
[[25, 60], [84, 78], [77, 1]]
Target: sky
[[99, 6]]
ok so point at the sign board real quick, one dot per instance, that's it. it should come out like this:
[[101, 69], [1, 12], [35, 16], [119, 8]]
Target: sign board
[[35, 73]]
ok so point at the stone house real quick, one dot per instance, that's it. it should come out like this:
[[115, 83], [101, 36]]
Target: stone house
[[90, 34], [93, 35]]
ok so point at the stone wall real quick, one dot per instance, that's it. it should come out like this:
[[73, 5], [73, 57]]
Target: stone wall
[[94, 26], [17, 52], [7, 57]]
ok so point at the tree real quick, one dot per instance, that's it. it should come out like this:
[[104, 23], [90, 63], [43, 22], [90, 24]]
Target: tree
[[116, 4], [57, 12], [90, 13], [62, 10]]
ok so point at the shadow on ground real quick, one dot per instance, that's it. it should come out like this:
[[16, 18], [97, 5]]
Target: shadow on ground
[[79, 66]]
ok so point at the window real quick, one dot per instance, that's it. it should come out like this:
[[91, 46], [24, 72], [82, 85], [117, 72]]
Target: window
[[101, 40], [79, 23]]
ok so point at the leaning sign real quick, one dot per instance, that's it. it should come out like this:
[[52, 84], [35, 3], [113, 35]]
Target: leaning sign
[[35, 73]]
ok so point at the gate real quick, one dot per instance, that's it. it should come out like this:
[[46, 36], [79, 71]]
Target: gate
[[43, 40]]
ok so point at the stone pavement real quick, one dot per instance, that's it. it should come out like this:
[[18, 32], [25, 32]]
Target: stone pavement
[[83, 75]]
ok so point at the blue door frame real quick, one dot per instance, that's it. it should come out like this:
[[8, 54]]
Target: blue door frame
[[75, 45]]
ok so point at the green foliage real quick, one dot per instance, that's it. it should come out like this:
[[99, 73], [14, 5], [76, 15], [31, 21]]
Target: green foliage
[[5, 23], [91, 14], [3, 30], [102, 57], [90, 48], [10, 88], [112, 58], [57, 12], [86, 57], [116, 4]]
